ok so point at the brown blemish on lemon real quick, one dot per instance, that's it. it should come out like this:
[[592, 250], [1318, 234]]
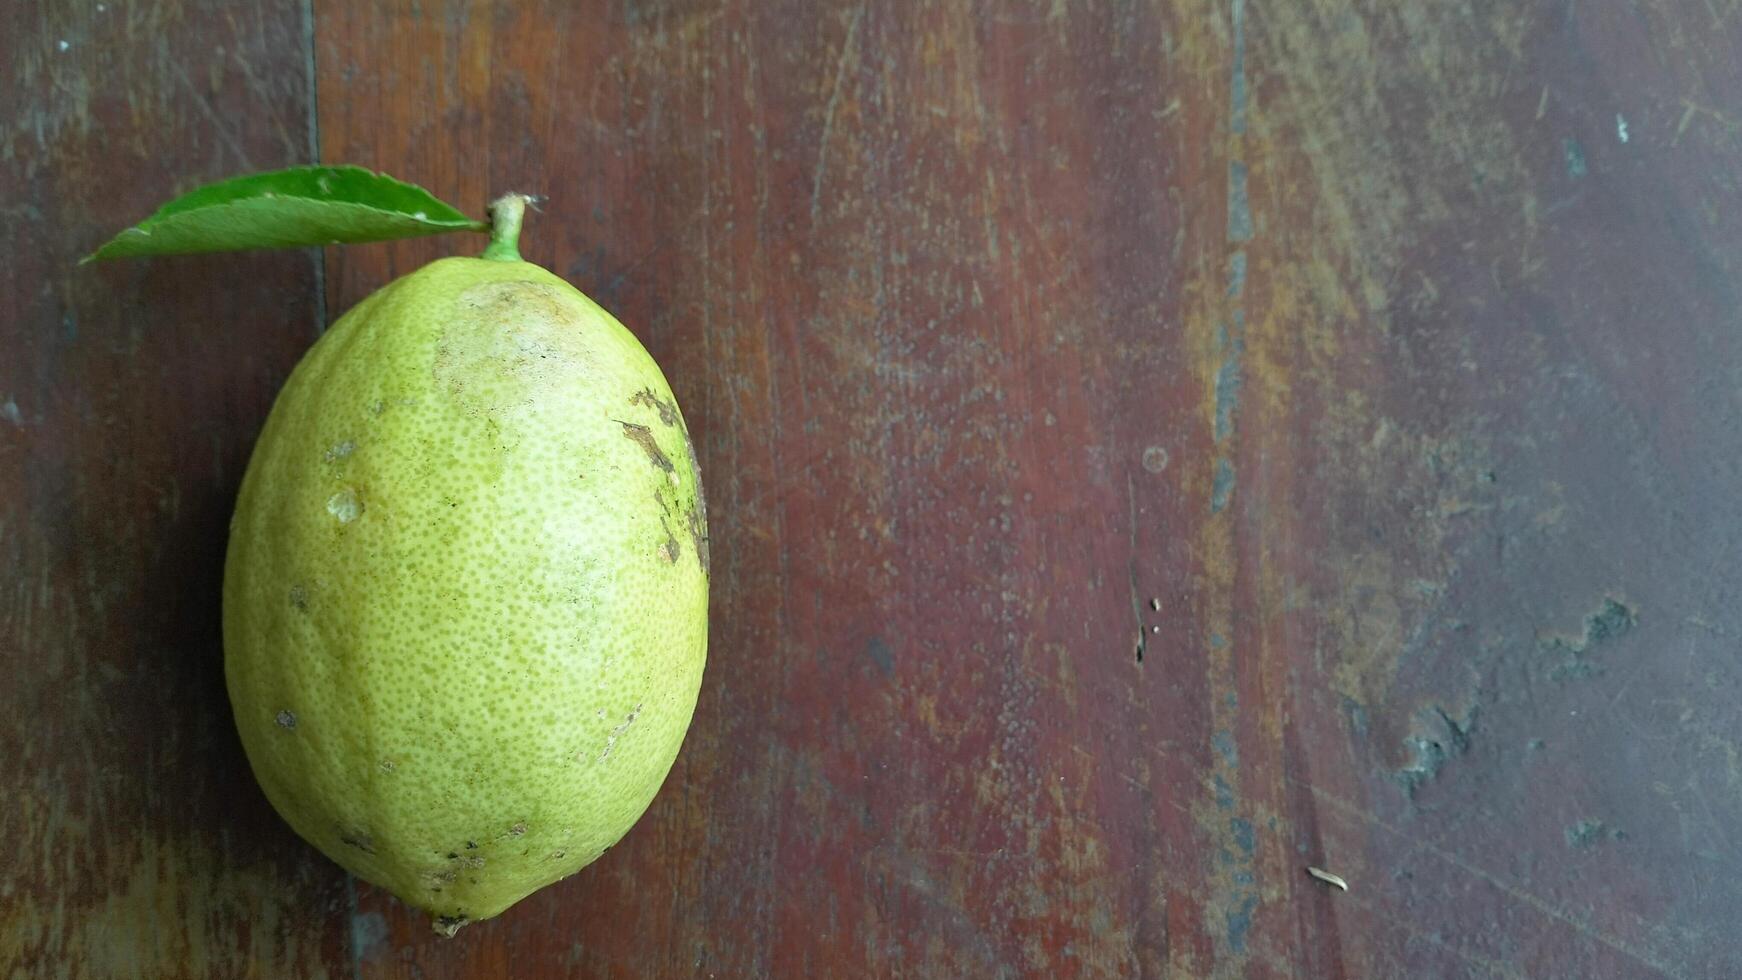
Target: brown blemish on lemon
[[666, 408], [642, 436]]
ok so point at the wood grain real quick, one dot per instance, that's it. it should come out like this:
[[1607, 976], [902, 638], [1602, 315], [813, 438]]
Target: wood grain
[[137, 842], [1152, 447]]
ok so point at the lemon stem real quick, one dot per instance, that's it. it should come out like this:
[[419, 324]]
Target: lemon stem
[[505, 217]]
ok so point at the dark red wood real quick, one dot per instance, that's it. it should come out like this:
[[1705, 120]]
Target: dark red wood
[[137, 844], [1152, 448]]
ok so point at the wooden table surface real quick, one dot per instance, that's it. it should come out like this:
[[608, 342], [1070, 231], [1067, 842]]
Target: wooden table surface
[[1152, 447]]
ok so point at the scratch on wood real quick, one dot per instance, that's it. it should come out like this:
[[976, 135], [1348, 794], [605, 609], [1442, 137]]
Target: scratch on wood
[[901, 866], [1496, 967], [1136, 597], [846, 55], [1237, 74], [219, 126], [1547, 908]]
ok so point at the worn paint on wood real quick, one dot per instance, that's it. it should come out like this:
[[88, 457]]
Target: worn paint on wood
[[137, 844], [1154, 447]]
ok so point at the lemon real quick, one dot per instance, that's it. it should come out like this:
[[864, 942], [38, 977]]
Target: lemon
[[465, 599]]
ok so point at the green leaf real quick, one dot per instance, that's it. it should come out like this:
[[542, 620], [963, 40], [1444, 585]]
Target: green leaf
[[288, 209]]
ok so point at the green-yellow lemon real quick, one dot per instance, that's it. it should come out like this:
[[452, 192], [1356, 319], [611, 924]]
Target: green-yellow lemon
[[465, 601]]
